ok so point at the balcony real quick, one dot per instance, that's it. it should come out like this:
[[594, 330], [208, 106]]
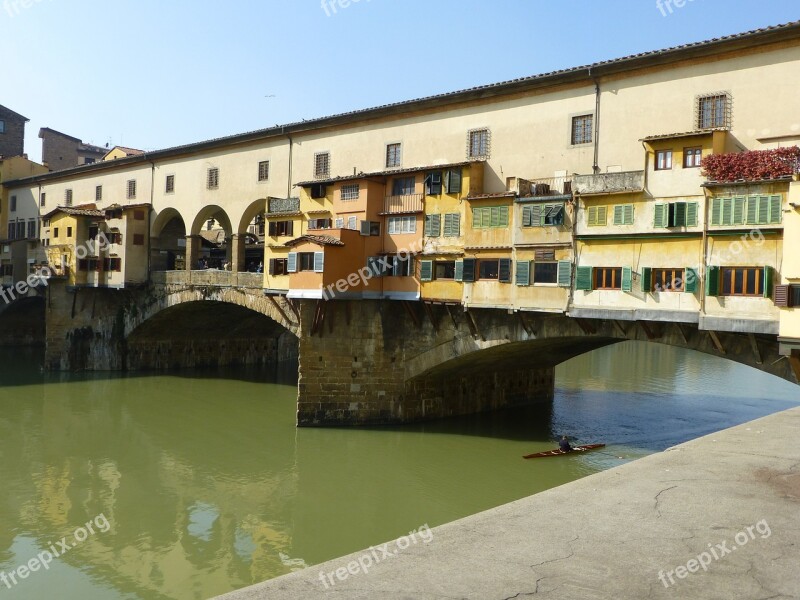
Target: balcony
[[609, 183], [411, 203], [542, 187], [279, 206]]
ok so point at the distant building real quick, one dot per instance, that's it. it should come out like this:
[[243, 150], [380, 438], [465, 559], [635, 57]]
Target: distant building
[[121, 152], [62, 151], [12, 133]]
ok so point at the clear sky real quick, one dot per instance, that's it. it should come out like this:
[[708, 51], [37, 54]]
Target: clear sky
[[157, 73]]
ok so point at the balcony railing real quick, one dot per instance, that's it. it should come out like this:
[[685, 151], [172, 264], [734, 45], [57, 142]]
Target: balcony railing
[[410, 203], [542, 186], [608, 183]]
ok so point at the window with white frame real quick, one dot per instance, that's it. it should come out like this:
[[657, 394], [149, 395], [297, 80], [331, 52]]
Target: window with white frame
[[352, 223], [402, 224], [350, 192]]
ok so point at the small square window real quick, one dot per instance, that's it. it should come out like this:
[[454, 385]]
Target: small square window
[[322, 165], [692, 157], [663, 160], [131, 189], [393, 155], [138, 239], [263, 170], [138, 215], [212, 179], [582, 129], [98, 193]]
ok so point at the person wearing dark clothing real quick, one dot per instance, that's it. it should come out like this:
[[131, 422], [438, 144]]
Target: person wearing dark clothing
[[564, 444]]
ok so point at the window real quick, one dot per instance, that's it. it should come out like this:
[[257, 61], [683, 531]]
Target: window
[[663, 280], [540, 215], [7, 270], [131, 189], [112, 264], [452, 181], [319, 191], [55, 232], [20, 230], [582, 129], [212, 178], [676, 214], [169, 187], [352, 223], [398, 267], [545, 272], [488, 269], [597, 216], [402, 224], [322, 165], [393, 155], [350, 192], [98, 193], [606, 278], [445, 269], [339, 223], [754, 210], [13, 204], [68, 197], [138, 239], [452, 225], [692, 157], [742, 281], [478, 143], [404, 186], [663, 160], [138, 215], [281, 228], [42, 199], [69, 232], [319, 224], [714, 110], [305, 261], [433, 225], [263, 170], [489, 217], [433, 183], [623, 214], [88, 161], [278, 266], [32, 229]]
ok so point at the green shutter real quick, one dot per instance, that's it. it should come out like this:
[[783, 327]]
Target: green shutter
[[459, 274], [619, 218], [592, 216], [583, 280], [495, 217], [716, 211], [453, 181], [523, 272], [504, 270], [469, 269], [602, 215], [564, 273], [526, 216], [627, 279], [763, 210], [503, 216], [768, 281], [690, 280], [680, 214], [752, 210], [645, 279], [712, 281], [660, 219], [775, 209], [738, 210], [426, 270], [691, 214], [536, 216], [433, 225], [291, 262], [452, 225], [627, 214], [727, 211]]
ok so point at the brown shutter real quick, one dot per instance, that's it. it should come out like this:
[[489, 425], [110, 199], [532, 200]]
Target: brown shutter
[[783, 296]]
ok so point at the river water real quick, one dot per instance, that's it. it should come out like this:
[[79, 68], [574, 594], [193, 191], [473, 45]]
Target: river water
[[198, 483]]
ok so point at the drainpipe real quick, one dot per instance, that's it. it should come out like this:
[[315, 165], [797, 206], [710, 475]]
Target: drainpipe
[[703, 263], [291, 153], [595, 166]]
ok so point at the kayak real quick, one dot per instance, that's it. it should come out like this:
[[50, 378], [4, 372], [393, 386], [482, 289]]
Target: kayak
[[558, 452]]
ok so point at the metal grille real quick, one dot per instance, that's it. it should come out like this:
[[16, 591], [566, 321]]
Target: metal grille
[[582, 129], [322, 165], [212, 181], [263, 170], [393, 156], [350, 192], [714, 111], [479, 143], [170, 185], [98, 193], [131, 189], [68, 197]]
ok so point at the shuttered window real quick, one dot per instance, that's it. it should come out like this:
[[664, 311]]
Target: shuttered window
[[623, 214], [452, 181], [583, 279], [541, 215], [667, 280], [597, 216], [490, 217], [468, 267], [452, 225], [565, 273], [745, 281], [426, 270], [433, 225], [752, 210], [523, 272], [609, 278], [676, 214], [433, 183]]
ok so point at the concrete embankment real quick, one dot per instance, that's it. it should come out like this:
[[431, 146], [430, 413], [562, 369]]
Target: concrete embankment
[[715, 518]]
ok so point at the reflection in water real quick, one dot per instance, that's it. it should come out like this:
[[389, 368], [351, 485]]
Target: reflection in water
[[209, 487]]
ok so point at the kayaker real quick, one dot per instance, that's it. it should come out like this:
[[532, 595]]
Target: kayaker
[[564, 444]]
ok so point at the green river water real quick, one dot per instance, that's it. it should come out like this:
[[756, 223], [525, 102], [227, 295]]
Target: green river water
[[198, 483]]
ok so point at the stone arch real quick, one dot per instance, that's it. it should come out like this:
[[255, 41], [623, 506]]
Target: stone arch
[[168, 241], [255, 208], [212, 211]]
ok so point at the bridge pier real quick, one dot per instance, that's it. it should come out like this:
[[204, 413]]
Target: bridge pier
[[354, 368]]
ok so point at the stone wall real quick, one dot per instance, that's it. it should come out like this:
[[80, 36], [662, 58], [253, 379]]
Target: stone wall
[[12, 142]]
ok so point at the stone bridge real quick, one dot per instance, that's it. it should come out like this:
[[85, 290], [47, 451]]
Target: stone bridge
[[367, 362]]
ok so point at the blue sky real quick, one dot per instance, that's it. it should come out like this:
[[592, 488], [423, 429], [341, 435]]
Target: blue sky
[[157, 73]]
